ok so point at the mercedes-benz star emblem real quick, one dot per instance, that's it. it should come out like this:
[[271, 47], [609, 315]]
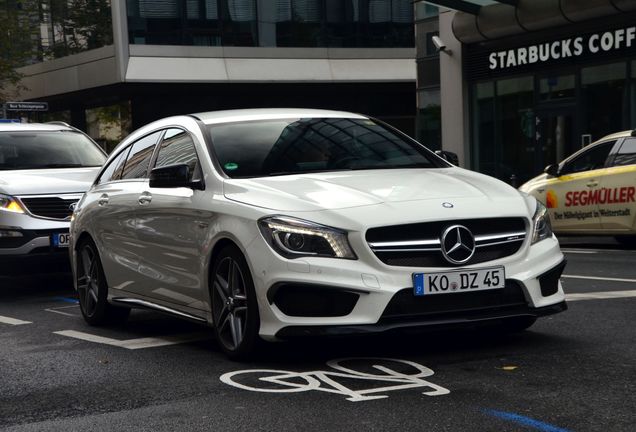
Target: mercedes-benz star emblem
[[458, 244]]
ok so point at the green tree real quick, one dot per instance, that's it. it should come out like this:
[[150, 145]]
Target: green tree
[[19, 43]]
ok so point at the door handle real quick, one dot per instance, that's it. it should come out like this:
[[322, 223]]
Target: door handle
[[592, 183], [144, 199], [103, 200]]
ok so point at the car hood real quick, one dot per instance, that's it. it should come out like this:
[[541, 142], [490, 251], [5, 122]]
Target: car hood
[[531, 184], [47, 181], [339, 190]]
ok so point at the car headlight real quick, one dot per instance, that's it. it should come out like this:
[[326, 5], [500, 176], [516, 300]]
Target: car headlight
[[10, 204], [542, 229], [294, 238]]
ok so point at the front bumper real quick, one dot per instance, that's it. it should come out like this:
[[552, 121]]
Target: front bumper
[[26, 244], [457, 319], [330, 284]]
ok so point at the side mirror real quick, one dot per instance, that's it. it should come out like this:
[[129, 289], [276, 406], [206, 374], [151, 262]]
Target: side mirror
[[552, 170], [448, 156], [173, 176]]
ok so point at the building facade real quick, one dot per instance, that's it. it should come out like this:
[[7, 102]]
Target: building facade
[[111, 66], [525, 83]]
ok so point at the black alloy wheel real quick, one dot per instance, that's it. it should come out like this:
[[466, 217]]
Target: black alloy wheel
[[92, 288], [234, 305]]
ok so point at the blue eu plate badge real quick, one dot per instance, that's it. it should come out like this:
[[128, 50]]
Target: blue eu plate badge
[[418, 284]]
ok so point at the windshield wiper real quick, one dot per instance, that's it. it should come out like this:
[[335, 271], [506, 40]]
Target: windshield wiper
[[281, 173]]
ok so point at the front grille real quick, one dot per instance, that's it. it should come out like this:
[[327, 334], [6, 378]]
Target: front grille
[[406, 305], [50, 207], [419, 245]]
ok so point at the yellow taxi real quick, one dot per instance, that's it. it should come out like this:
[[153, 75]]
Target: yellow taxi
[[594, 190]]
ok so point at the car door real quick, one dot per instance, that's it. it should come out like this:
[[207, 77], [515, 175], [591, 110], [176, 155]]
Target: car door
[[573, 197], [114, 222], [171, 229], [618, 189]]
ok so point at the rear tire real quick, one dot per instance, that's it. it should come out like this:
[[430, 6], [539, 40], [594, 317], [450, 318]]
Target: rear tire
[[93, 289], [234, 304]]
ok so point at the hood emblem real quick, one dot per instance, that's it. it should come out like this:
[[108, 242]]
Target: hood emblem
[[458, 244], [447, 205]]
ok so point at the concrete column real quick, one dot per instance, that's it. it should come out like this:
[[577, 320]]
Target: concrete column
[[120, 37], [454, 92]]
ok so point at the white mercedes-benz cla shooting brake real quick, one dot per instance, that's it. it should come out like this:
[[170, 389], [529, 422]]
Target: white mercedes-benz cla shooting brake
[[277, 223]]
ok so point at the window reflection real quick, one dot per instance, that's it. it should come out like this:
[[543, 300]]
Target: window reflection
[[297, 146], [284, 23]]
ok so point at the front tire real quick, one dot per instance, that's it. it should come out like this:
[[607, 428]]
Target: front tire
[[234, 304], [93, 289]]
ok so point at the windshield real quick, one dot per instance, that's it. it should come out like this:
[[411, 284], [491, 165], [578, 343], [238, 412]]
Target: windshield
[[47, 149], [298, 146]]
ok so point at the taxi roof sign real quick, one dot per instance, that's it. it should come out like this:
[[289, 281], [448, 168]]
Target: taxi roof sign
[[26, 106]]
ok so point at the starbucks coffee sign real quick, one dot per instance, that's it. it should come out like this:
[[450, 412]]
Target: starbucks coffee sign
[[578, 46]]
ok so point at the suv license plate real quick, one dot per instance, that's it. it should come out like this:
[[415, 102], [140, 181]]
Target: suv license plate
[[61, 239], [458, 281]]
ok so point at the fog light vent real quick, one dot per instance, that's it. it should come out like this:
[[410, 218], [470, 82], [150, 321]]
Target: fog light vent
[[549, 280], [302, 300]]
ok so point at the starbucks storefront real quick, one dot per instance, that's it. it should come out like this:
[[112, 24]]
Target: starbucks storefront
[[536, 97]]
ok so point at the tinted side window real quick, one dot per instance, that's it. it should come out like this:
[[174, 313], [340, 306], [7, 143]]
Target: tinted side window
[[114, 168], [139, 157], [591, 159], [176, 148], [627, 153]]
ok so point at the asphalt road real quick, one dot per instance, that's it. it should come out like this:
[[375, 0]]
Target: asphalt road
[[575, 371]]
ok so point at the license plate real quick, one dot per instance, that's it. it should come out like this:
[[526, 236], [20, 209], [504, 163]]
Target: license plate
[[61, 239], [458, 281]]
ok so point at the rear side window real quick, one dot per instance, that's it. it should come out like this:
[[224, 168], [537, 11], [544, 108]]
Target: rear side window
[[139, 157], [114, 168], [627, 153], [177, 148]]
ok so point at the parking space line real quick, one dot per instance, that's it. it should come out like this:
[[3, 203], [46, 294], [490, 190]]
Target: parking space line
[[57, 311], [600, 295], [601, 278], [13, 321], [138, 343]]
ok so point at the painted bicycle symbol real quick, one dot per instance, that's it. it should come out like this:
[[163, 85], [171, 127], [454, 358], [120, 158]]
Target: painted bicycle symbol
[[392, 374]]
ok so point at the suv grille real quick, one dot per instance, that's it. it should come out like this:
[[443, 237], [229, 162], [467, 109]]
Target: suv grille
[[419, 245], [52, 207]]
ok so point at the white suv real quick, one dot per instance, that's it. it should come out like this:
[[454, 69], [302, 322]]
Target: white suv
[[44, 170], [284, 222]]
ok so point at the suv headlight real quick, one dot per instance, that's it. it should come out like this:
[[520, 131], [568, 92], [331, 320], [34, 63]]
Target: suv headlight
[[542, 229], [294, 238], [10, 204]]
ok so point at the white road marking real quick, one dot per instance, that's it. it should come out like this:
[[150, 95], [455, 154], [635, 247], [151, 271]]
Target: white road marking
[[600, 295], [139, 343], [600, 278], [57, 311], [330, 381], [13, 321]]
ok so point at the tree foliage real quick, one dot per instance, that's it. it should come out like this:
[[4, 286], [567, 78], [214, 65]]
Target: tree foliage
[[32, 31], [18, 35]]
